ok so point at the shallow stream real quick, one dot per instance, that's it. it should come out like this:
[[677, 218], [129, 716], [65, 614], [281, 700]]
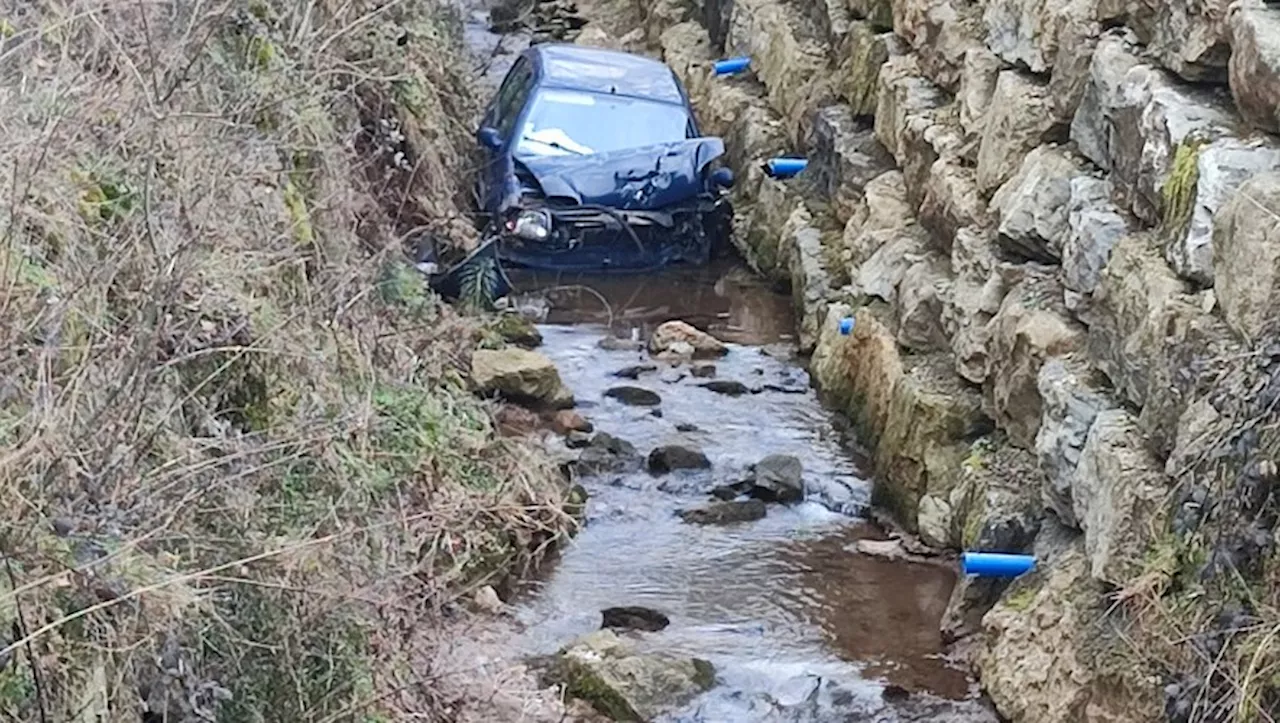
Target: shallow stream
[[799, 625]]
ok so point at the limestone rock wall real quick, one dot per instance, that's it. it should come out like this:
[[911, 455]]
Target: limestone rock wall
[[1047, 219]]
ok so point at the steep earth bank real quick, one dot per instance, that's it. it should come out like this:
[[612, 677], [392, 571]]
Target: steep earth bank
[[243, 473], [1057, 227]]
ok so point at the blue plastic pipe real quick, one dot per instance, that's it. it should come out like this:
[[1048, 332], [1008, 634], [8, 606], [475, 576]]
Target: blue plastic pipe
[[995, 564], [729, 66], [785, 167], [846, 326]]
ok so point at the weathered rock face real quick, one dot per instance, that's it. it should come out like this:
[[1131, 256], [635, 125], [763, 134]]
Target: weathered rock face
[[1045, 653], [520, 375], [930, 419], [922, 295], [1072, 398], [1094, 226], [1255, 66], [865, 49], [1033, 205], [1118, 495], [625, 685], [975, 298], [858, 372], [1246, 256], [951, 202], [1020, 118], [1031, 326], [1103, 94], [844, 156], [1187, 37], [939, 31], [810, 282]]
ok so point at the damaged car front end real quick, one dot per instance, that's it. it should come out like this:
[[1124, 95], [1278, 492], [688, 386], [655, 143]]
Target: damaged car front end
[[633, 211]]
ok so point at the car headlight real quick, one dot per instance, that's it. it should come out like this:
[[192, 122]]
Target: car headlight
[[534, 225]]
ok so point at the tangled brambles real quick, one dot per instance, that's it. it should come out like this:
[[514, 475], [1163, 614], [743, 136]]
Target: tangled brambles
[[241, 471]]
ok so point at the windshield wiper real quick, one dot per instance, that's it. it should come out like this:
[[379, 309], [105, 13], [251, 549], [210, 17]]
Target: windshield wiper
[[554, 145]]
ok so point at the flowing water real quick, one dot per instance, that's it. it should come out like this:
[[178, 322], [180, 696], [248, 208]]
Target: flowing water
[[799, 624]]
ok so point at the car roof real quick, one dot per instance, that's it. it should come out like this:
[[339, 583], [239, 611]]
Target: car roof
[[577, 67]]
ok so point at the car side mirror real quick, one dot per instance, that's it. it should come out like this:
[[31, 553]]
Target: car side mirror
[[489, 138], [722, 177]]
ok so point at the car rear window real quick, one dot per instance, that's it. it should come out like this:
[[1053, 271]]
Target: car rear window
[[566, 122]]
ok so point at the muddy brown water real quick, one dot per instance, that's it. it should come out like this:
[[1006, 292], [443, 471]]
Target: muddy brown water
[[800, 626]]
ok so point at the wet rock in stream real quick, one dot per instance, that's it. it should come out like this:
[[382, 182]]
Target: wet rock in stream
[[622, 684], [671, 457], [777, 478], [725, 513], [634, 371], [669, 335], [567, 420], [633, 618], [634, 396], [606, 453], [521, 376], [727, 387], [703, 371]]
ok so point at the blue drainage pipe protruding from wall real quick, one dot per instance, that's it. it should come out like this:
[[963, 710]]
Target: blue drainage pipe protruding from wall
[[846, 326], [785, 167], [729, 66], [995, 564]]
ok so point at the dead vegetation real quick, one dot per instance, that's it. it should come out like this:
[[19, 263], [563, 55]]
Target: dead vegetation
[[1209, 599], [241, 472]]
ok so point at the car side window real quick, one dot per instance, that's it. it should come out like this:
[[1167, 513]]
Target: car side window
[[512, 97]]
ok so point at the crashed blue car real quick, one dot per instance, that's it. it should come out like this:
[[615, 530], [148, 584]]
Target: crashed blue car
[[594, 163]]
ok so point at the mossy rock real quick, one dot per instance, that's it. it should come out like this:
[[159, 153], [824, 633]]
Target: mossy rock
[[518, 330], [602, 670]]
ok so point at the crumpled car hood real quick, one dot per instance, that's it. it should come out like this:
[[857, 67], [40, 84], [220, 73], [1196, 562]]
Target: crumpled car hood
[[633, 179]]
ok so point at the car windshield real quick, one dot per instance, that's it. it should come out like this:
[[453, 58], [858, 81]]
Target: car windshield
[[567, 122]]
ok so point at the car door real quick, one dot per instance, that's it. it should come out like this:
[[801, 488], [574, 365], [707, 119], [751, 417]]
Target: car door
[[502, 116]]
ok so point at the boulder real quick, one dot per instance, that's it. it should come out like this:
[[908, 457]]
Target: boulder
[[811, 284], [727, 387], [622, 684], [1021, 118], [672, 457], [567, 420], [672, 332], [1246, 258], [951, 201], [725, 513], [1072, 397], [1191, 197], [902, 94], [994, 506], [1254, 69], [1114, 57], [922, 294], [634, 396], [931, 416], [976, 296], [864, 50], [978, 77], [1130, 304], [1031, 327], [939, 31], [785, 56], [521, 376], [1118, 497], [1027, 33], [844, 156], [1048, 652], [881, 273], [926, 139], [517, 329], [1094, 226], [879, 13], [777, 478], [606, 453], [633, 618], [1189, 37], [1032, 205], [1156, 131], [1078, 32], [857, 373]]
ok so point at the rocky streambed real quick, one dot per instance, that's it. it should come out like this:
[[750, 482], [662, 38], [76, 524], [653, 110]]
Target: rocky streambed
[[726, 570]]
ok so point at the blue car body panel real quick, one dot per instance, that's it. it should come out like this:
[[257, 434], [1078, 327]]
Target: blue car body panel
[[624, 171]]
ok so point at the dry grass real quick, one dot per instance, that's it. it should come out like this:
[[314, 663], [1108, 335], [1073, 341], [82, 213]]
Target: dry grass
[[241, 471], [1209, 600]]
